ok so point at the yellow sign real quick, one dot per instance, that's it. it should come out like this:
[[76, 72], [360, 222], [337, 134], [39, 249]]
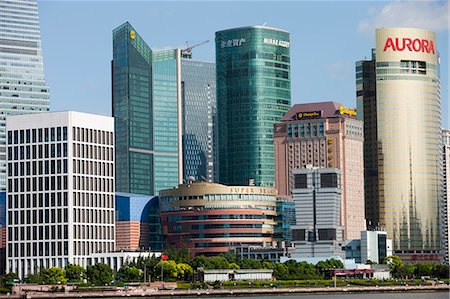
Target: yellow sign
[[347, 111], [132, 34], [311, 114]]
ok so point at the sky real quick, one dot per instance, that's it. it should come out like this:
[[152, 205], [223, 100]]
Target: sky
[[327, 38]]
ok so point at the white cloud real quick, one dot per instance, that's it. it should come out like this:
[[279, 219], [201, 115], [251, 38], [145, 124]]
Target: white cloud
[[426, 14], [337, 71]]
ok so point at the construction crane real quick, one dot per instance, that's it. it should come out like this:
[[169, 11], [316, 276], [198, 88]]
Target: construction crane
[[187, 52]]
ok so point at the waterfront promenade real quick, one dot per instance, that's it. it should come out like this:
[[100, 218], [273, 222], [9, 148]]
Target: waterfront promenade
[[150, 292]]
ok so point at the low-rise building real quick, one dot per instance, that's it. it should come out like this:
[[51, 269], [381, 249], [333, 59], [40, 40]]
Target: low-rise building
[[374, 247], [210, 219], [138, 225], [234, 275]]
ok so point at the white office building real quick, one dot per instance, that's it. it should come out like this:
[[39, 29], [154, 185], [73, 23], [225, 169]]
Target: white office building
[[60, 189], [317, 196]]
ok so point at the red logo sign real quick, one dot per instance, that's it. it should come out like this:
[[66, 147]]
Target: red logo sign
[[416, 45]]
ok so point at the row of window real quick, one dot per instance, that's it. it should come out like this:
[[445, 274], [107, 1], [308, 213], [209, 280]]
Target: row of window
[[93, 136], [93, 216], [93, 168], [92, 184], [38, 184], [93, 232], [86, 248], [93, 152], [54, 150], [37, 135], [44, 232], [41, 200], [37, 168], [95, 200], [39, 216], [38, 249]]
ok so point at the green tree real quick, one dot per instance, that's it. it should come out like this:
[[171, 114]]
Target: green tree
[[34, 278], [75, 273], [184, 272], [99, 274], [54, 275], [250, 264], [169, 269], [129, 274], [177, 255], [231, 256]]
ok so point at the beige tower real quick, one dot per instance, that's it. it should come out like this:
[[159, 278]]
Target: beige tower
[[408, 129]]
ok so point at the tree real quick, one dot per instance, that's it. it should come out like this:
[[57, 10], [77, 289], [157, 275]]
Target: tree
[[75, 273], [54, 275], [184, 272], [177, 255], [99, 274], [250, 264], [169, 269], [231, 256], [129, 274], [34, 278]]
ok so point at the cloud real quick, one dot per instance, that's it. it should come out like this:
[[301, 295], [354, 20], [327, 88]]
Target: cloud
[[426, 14], [337, 71]]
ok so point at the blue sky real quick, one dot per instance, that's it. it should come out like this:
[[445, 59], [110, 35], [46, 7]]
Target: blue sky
[[326, 40]]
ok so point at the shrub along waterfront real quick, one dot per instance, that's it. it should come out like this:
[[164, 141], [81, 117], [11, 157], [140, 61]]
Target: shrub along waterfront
[[179, 267]]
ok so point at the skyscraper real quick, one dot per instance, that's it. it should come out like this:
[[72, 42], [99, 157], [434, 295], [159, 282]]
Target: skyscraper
[[132, 108], [164, 106], [22, 83], [401, 87], [324, 134], [60, 205], [253, 92], [198, 88]]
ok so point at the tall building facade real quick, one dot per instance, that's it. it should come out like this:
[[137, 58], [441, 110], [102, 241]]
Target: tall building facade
[[253, 92], [22, 83], [60, 195], [164, 108], [445, 202], [210, 219], [198, 91], [406, 93], [325, 135], [168, 161], [317, 195], [132, 108]]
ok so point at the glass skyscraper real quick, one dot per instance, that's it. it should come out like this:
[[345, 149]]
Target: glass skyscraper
[[198, 88], [167, 119], [398, 94], [253, 93], [132, 107], [22, 84], [160, 100]]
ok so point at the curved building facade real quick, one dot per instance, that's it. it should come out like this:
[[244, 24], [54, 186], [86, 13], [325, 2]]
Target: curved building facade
[[408, 128], [253, 92], [209, 219]]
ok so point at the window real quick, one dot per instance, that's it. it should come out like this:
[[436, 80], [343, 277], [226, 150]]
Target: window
[[300, 181], [329, 180]]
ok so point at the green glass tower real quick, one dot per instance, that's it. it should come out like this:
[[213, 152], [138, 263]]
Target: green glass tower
[[253, 93], [145, 108]]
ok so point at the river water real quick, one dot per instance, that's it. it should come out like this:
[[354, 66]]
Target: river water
[[385, 295]]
